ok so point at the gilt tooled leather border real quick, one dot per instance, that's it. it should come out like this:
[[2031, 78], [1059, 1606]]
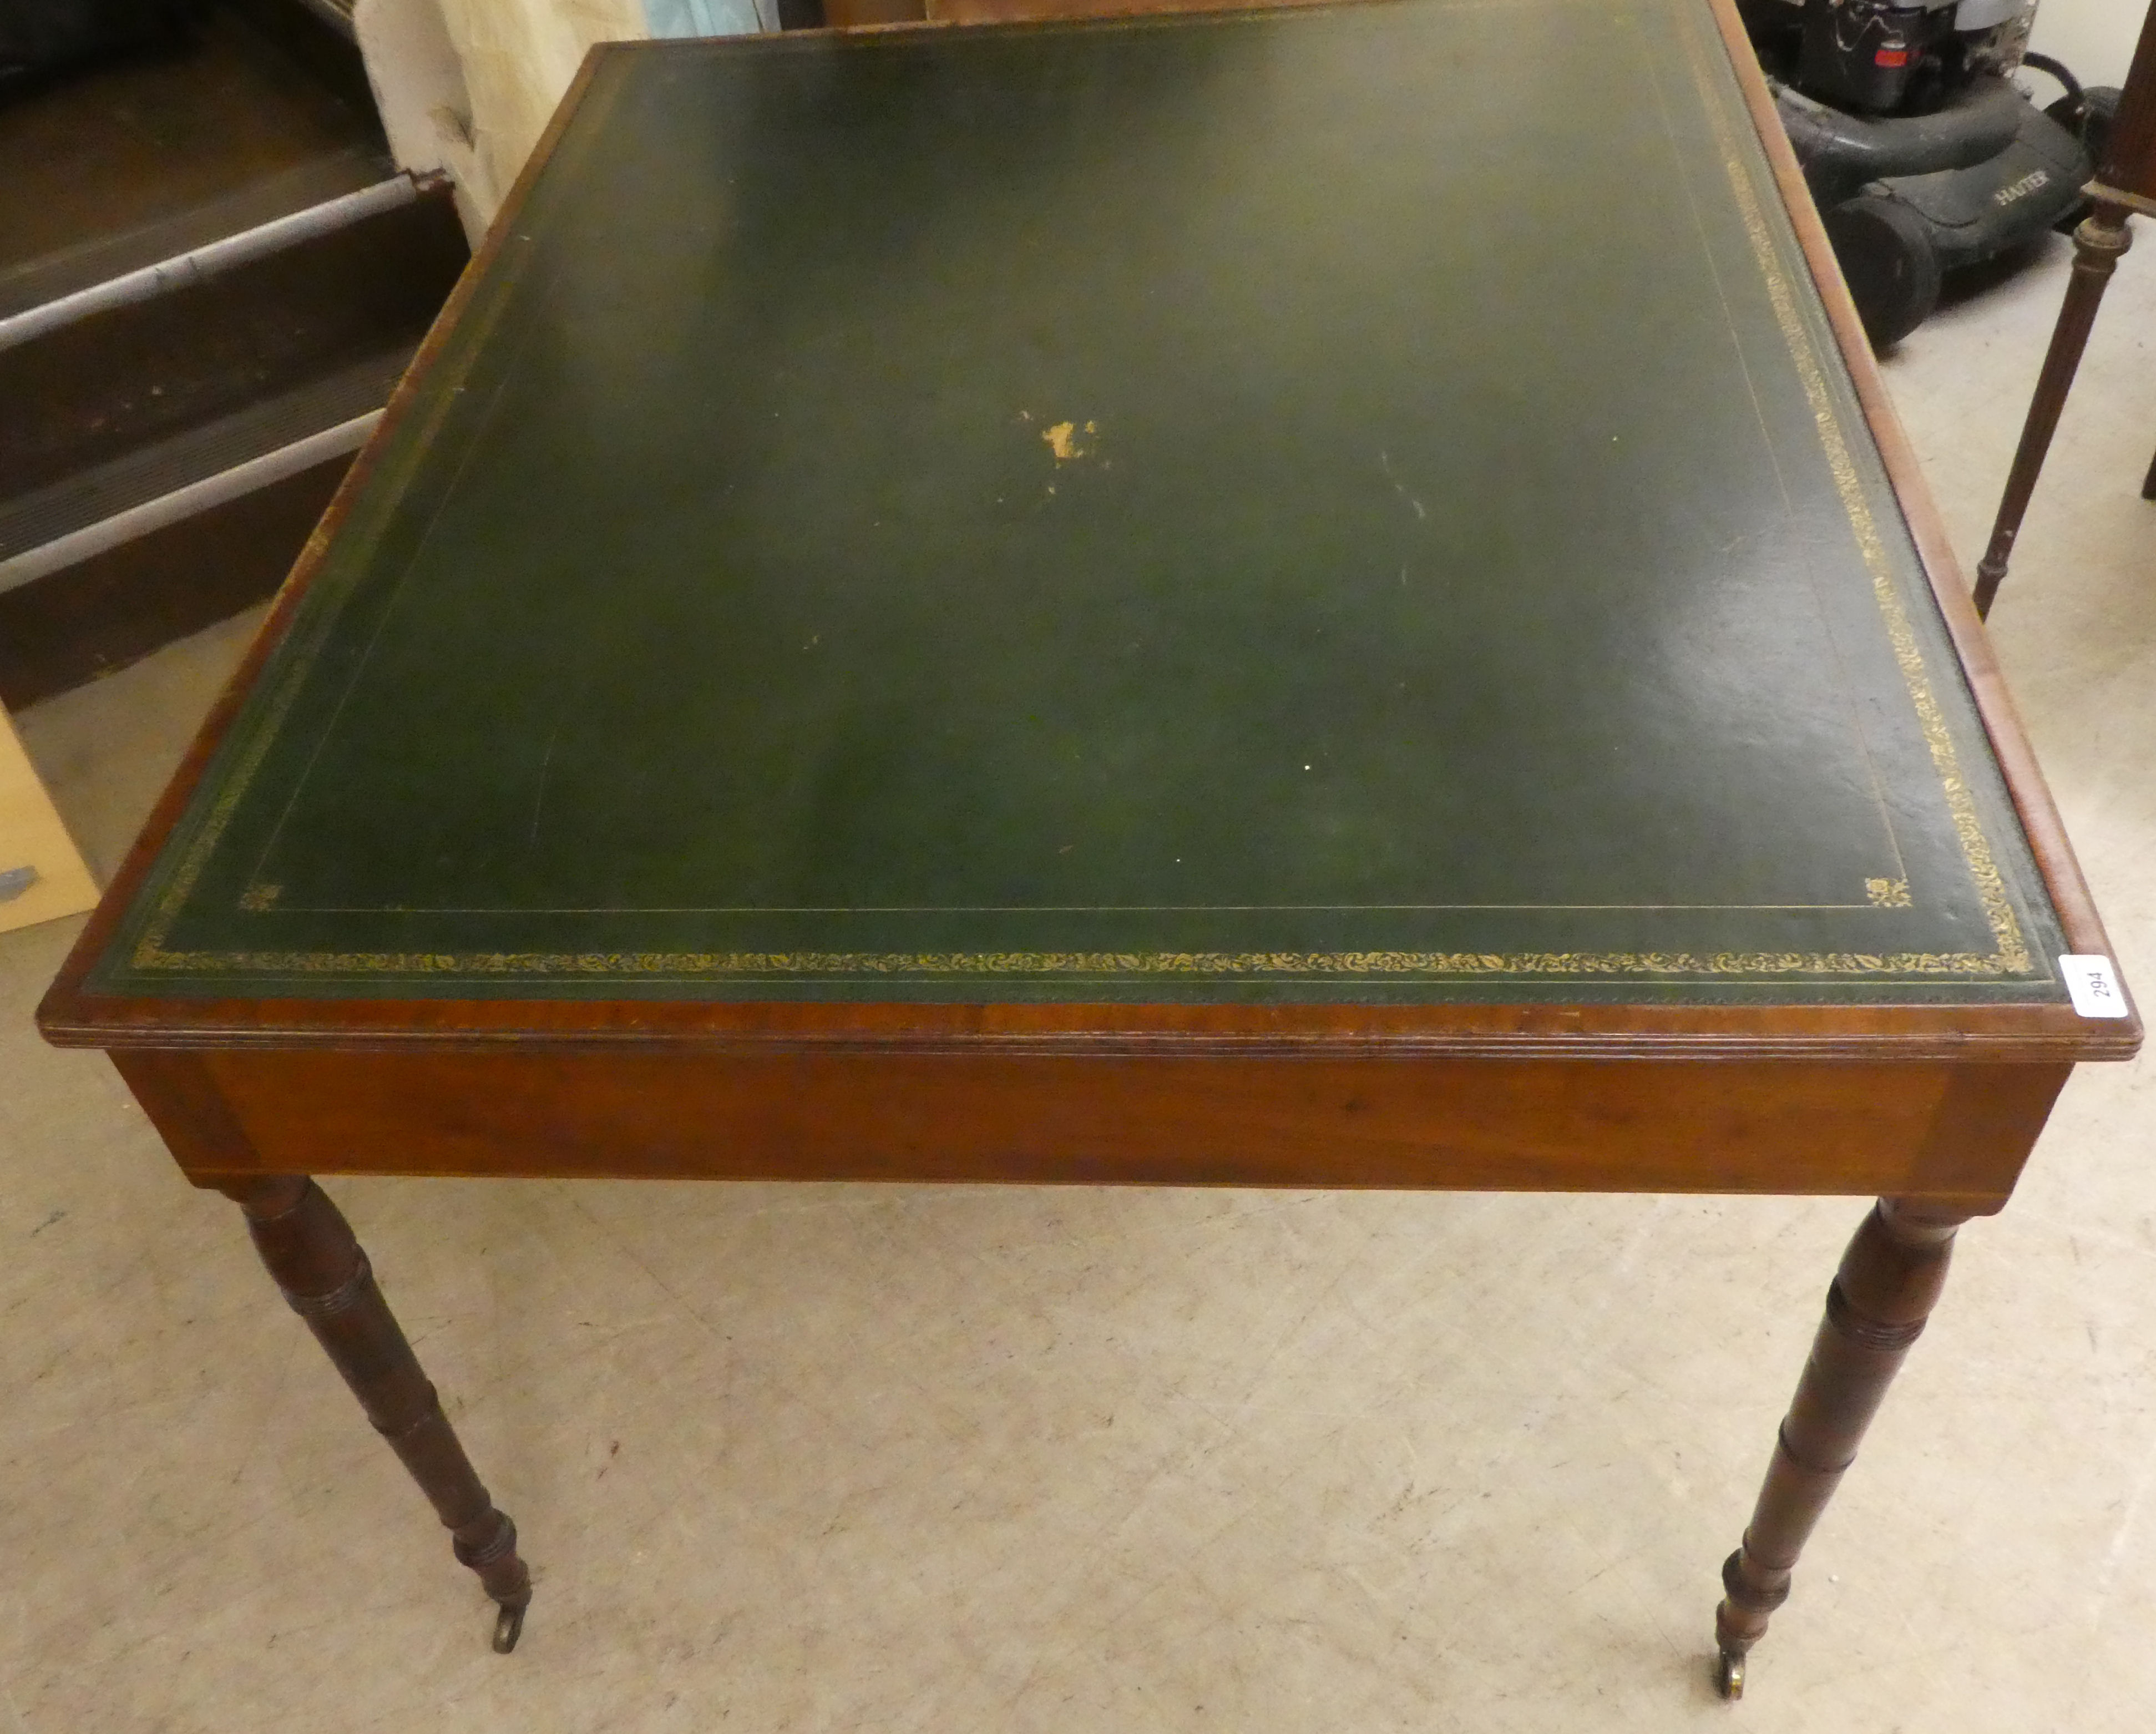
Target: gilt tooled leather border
[[2010, 957]]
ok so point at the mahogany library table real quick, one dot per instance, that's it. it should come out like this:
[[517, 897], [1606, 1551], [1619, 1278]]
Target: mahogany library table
[[1314, 597]]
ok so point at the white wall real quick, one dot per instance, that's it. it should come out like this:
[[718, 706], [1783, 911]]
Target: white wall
[[468, 85], [518, 57], [426, 111], [2095, 38]]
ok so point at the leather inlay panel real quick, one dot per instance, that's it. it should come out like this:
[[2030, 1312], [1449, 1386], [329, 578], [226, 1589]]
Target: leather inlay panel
[[1359, 502]]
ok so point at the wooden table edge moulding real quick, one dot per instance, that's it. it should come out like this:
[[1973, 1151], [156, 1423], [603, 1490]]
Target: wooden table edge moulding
[[1932, 1108]]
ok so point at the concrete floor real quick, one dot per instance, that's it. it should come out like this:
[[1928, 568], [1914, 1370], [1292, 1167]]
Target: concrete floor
[[972, 1459]]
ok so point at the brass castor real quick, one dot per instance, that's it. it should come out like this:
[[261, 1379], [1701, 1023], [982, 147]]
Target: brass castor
[[508, 1627], [1729, 1674]]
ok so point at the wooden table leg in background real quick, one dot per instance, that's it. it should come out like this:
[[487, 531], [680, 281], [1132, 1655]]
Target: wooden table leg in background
[[1876, 1307], [318, 1264], [2099, 243]]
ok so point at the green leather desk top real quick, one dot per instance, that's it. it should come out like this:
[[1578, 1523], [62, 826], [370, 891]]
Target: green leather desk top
[[1354, 504]]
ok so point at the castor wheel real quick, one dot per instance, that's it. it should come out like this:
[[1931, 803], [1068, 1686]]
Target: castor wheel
[[508, 1627], [1729, 1674]]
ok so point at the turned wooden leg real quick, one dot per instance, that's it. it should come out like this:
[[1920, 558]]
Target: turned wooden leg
[[2098, 244], [311, 1250], [1876, 1308]]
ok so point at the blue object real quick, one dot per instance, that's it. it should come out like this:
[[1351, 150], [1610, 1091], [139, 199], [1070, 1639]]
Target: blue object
[[701, 17]]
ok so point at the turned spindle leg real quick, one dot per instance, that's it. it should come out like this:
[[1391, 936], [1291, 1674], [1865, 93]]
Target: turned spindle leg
[[2098, 244], [1877, 1306], [310, 1251]]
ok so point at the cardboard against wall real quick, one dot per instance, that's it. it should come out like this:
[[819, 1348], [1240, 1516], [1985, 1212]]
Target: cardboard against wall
[[32, 837]]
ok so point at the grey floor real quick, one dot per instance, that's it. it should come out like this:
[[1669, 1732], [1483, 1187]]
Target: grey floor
[[971, 1459]]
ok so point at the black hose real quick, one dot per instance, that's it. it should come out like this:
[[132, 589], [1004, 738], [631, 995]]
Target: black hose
[[1841, 152], [2044, 63]]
